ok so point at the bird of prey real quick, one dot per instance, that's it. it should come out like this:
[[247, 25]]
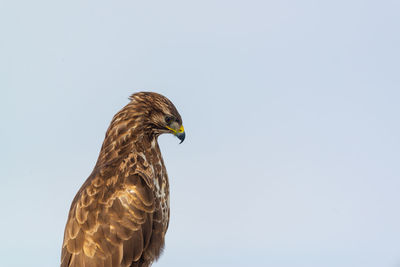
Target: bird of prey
[[120, 215]]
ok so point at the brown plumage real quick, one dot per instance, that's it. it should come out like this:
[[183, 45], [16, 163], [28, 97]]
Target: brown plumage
[[120, 215]]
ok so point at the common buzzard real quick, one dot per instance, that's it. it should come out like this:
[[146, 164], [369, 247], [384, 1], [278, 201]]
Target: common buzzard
[[120, 215]]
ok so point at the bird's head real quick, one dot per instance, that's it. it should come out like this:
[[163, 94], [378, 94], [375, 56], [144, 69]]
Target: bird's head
[[158, 114]]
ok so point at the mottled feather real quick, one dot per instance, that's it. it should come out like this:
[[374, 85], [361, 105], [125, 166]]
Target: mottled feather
[[120, 215]]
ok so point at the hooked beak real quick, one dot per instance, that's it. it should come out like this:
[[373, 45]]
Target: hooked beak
[[180, 133]]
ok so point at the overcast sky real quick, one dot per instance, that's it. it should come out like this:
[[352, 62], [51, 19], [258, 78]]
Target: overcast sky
[[291, 110]]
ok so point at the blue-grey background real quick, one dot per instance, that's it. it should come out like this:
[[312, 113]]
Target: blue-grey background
[[291, 110]]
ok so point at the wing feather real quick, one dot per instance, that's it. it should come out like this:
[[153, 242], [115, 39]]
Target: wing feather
[[109, 226]]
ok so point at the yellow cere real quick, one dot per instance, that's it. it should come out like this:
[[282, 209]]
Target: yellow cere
[[181, 129]]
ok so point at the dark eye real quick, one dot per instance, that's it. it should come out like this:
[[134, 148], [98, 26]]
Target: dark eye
[[169, 119]]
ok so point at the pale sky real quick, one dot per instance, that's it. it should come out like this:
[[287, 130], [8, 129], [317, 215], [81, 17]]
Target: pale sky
[[291, 108]]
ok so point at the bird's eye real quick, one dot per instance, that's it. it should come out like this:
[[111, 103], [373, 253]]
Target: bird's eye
[[169, 119]]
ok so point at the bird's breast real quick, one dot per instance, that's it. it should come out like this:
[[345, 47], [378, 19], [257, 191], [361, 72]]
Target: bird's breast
[[152, 166]]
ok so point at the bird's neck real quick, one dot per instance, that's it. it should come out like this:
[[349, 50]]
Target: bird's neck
[[124, 137]]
